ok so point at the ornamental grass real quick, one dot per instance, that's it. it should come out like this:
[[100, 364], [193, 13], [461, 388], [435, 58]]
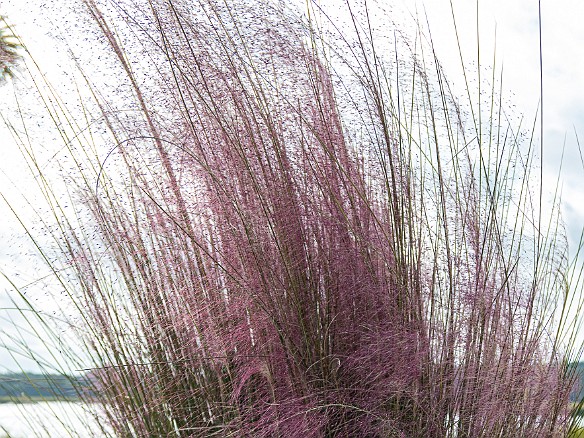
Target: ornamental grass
[[270, 222]]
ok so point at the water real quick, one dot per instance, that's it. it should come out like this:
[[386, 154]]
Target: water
[[49, 420]]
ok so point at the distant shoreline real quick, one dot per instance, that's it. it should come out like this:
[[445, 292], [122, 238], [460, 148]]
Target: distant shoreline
[[37, 399]]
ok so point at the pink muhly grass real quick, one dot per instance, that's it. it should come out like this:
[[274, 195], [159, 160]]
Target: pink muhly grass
[[278, 248]]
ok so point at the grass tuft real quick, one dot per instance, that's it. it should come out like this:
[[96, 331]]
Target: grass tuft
[[286, 225]]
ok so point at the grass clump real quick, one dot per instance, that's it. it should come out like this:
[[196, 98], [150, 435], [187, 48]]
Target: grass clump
[[286, 226]]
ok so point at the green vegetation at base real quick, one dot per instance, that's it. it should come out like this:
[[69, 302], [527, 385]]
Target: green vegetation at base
[[578, 433]]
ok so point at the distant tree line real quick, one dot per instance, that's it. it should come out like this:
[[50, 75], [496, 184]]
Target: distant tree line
[[14, 386]]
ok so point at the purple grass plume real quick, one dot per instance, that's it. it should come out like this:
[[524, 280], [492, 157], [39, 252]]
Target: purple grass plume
[[292, 230]]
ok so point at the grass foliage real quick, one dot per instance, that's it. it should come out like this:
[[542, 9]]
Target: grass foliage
[[9, 46], [287, 226]]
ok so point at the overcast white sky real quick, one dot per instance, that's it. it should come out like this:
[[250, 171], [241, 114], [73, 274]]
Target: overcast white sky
[[517, 49]]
